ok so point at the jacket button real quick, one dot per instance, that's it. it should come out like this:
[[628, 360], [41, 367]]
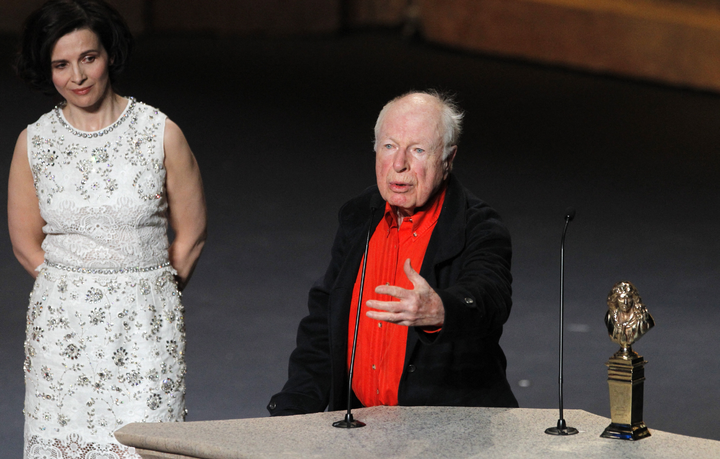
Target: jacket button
[[272, 405], [411, 368], [469, 300]]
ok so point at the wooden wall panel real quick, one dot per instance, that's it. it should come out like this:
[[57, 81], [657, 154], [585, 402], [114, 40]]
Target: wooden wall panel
[[246, 16], [376, 12], [664, 41], [14, 12]]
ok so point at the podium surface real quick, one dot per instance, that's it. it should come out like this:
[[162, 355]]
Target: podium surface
[[405, 432]]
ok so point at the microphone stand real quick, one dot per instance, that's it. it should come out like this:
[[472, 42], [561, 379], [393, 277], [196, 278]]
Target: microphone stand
[[349, 422], [562, 428]]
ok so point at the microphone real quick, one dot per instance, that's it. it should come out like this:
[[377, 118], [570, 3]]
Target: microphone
[[562, 428], [569, 215], [348, 422]]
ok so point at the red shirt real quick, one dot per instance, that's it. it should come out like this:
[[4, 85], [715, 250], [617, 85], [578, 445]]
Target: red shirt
[[380, 353]]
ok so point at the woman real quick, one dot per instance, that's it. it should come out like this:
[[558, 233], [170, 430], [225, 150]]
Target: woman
[[93, 185]]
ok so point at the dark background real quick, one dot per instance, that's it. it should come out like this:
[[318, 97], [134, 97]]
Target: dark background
[[282, 129]]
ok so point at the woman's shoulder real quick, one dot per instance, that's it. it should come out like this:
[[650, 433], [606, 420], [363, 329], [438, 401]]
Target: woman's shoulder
[[46, 119], [143, 109]]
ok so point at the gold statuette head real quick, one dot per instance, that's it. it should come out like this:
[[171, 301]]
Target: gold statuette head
[[627, 318]]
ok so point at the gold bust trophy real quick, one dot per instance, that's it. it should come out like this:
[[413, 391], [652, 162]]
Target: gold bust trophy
[[627, 320]]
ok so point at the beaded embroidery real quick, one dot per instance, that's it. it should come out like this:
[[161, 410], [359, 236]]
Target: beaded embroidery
[[126, 113], [75, 269], [105, 337]]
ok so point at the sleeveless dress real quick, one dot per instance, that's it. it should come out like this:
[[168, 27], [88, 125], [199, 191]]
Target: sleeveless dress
[[105, 338]]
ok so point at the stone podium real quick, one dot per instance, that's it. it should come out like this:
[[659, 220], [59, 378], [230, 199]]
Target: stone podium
[[404, 432]]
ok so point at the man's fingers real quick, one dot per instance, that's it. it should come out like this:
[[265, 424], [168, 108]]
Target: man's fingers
[[411, 274], [389, 306], [392, 290]]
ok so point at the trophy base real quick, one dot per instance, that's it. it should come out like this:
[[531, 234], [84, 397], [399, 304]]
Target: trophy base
[[633, 432]]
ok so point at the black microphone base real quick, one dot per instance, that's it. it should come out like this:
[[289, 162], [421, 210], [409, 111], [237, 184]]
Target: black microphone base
[[565, 431], [561, 429], [348, 422]]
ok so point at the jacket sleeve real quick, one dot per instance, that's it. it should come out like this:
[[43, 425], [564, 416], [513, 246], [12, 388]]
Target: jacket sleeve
[[475, 285], [307, 389]]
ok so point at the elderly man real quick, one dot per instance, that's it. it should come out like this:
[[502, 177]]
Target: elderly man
[[437, 287]]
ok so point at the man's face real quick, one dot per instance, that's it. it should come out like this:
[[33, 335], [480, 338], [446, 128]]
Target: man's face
[[408, 157]]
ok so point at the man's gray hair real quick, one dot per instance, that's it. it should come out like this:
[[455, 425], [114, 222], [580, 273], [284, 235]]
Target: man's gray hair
[[451, 118]]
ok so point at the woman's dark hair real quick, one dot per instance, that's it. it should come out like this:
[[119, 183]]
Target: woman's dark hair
[[57, 18]]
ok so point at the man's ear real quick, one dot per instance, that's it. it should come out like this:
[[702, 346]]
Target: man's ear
[[449, 160]]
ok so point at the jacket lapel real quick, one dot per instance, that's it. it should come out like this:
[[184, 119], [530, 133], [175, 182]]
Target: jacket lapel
[[447, 241]]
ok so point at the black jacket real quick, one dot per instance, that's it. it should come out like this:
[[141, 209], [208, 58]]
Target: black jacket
[[467, 262]]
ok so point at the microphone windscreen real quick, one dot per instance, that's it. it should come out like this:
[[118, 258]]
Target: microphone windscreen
[[569, 214]]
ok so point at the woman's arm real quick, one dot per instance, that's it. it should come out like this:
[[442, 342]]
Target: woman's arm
[[186, 201], [24, 220]]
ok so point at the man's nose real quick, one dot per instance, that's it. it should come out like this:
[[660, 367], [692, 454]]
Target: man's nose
[[400, 163]]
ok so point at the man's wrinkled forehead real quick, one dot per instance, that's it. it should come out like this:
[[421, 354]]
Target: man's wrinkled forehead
[[417, 106]]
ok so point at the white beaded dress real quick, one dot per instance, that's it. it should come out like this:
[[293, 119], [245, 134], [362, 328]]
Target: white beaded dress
[[105, 338]]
